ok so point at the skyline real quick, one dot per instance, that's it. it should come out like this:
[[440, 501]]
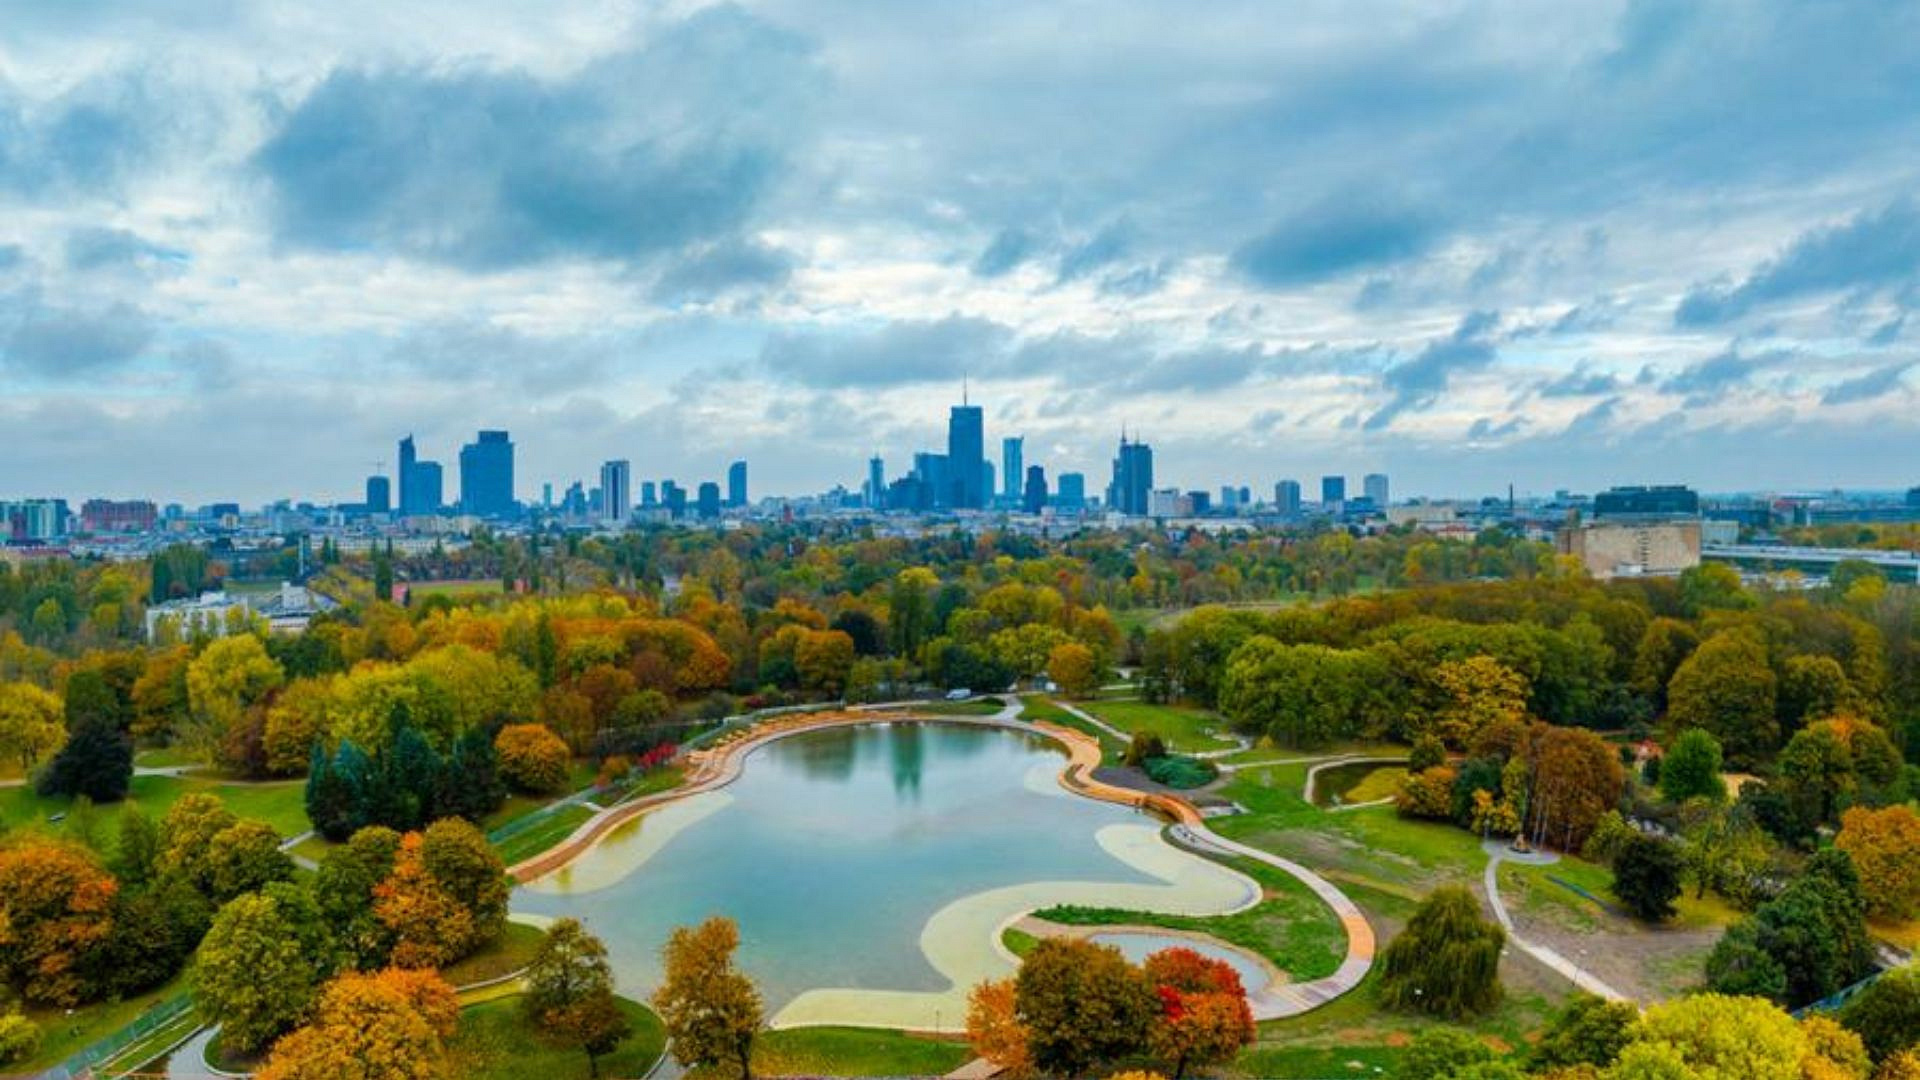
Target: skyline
[[1619, 243]]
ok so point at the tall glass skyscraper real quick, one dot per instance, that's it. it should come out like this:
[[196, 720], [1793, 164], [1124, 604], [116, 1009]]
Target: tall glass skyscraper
[[419, 482], [486, 476], [1013, 469], [737, 484], [966, 458], [1132, 479], [616, 490]]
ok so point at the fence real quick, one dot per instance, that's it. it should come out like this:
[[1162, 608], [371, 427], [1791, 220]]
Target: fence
[[82, 1064]]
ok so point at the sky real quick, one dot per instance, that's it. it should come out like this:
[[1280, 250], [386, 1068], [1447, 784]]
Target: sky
[[246, 247]]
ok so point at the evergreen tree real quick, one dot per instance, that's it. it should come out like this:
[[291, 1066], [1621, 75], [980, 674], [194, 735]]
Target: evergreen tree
[[1447, 961], [331, 797], [413, 777], [97, 762], [470, 786], [1646, 877]]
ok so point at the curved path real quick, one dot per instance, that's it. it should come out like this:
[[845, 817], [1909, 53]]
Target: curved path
[[1497, 853], [715, 767]]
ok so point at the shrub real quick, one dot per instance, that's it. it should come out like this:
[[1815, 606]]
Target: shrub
[[1646, 877], [1179, 771], [19, 1038]]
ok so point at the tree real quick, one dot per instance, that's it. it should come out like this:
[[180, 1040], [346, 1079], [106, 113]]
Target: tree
[[56, 907], [1576, 778], [230, 676], [1716, 1037], [1727, 687], [19, 1038], [1442, 1053], [1428, 752], [994, 1030], [1475, 693], [30, 723], [570, 992], [430, 928], [261, 965], [389, 1026], [155, 930], [1886, 1014], [469, 785], [1811, 688], [244, 857], [532, 758], [458, 856], [1447, 960], [1691, 768], [1712, 586], [1663, 647], [1885, 848], [136, 851], [1816, 773], [1204, 1016], [97, 761], [1073, 668], [1587, 1030], [1427, 794], [1814, 933], [711, 1011], [332, 803], [1083, 1005], [343, 891], [187, 835], [1646, 877]]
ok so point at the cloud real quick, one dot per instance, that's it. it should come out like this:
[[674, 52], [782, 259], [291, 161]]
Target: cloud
[[1705, 380], [1484, 428], [90, 139], [1101, 249], [1888, 332], [1334, 239], [713, 269], [1874, 384], [66, 342], [1417, 383], [900, 354], [1009, 248], [1581, 382], [669, 145], [94, 248], [1868, 251]]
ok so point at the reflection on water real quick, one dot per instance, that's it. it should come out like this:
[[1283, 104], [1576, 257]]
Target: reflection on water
[[835, 847]]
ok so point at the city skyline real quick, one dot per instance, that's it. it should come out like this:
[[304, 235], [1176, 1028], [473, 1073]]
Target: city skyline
[[1606, 241]]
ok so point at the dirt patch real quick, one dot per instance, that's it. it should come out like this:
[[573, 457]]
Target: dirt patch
[[1647, 964], [1394, 1038]]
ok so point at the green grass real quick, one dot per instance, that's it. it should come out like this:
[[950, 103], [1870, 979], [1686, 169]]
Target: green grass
[[423, 589], [280, 803], [164, 757], [1357, 783], [1291, 927], [1185, 729], [1542, 896], [1036, 709], [495, 1042], [841, 1051], [1018, 942], [975, 707], [537, 838], [508, 953], [62, 1034]]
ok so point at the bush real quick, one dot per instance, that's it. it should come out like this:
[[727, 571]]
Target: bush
[[1427, 794], [1144, 747], [1646, 877], [532, 758], [1179, 771], [1609, 835], [19, 1038]]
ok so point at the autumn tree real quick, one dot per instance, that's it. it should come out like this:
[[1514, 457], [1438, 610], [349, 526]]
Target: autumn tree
[[1587, 1030], [569, 994], [994, 1029], [1727, 688], [230, 676], [457, 855], [343, 890], [1475, 693], [1714, 1035], [532, 758], [1691, 768], [1447, 960], [393, 1025], [244, 857], [1885, 847], [1083, 1005], [56, 908], [428, 925], [31, 724], [261, 964], [1072, 668], [1577, 777], [1204, 1016], [1810, 941], [711, 1010]]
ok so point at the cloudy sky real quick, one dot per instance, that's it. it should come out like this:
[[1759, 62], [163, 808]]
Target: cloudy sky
[[244, 247]]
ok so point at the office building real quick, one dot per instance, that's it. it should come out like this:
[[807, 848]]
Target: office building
[[110, 516], [966, 458], [1072, 491], [1132, 484], [674, 498], [33, 519], [1199, 503], [1229, 499], [737, 485], [1168, 503], [486, 476], [931, 470], [1013, 469], [1286, 497], [1639, 501], [379, 495], [1374, 487], [707, 503], [876, 483], [1634, 549], [616, 491], [1333, 493], [1034, 499], [421, 483], [649, 497]]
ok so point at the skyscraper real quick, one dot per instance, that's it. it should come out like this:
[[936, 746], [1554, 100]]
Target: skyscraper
[[1374, 486], [616, 491], [1333, 492], [1132, 479], [1012, 466], [1073, 491], [1035, 498], [648, 497], [966, 458], [931, 471], [405, 474], [707, 502], [674, 498], [876, 482], [1286, 497], [379, 495], [737, 484], [486, 476]]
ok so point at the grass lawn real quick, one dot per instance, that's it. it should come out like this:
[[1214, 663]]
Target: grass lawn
[[842, 1051], [165, 757], [975, 707], [1904, 934], [420, 590], [62, 1036], [1038, 709], [537, 838], [495, 1043], [1543, 896], [1018, 942], [1291, 927], [1185, 729], [510, 952], [280, 803]]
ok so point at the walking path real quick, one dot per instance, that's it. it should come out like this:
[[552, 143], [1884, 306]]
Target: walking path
[[1498, 851]]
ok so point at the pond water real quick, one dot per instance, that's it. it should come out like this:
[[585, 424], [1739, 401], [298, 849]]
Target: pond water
[[1137, 945], [869, 869]]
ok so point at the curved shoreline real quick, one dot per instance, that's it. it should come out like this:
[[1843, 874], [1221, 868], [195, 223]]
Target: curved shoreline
[[716, 767]]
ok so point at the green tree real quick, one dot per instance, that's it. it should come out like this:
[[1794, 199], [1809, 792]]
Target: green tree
[[1886, 1015], [458, 856], [1646, 877], [230, 676], [136, 850], [1711, 587], [1814, 932], [1083, 1005], [245, 857], [1442, 1053], [1811, 688], [343, 892], [711, 1011], [569, 993], [97, 762], [1587, 1030], [261, 964], [1727, 688], [1447, 960], [1691, 768]]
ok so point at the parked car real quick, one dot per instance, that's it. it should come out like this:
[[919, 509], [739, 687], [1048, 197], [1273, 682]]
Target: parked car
[[959, 695]]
